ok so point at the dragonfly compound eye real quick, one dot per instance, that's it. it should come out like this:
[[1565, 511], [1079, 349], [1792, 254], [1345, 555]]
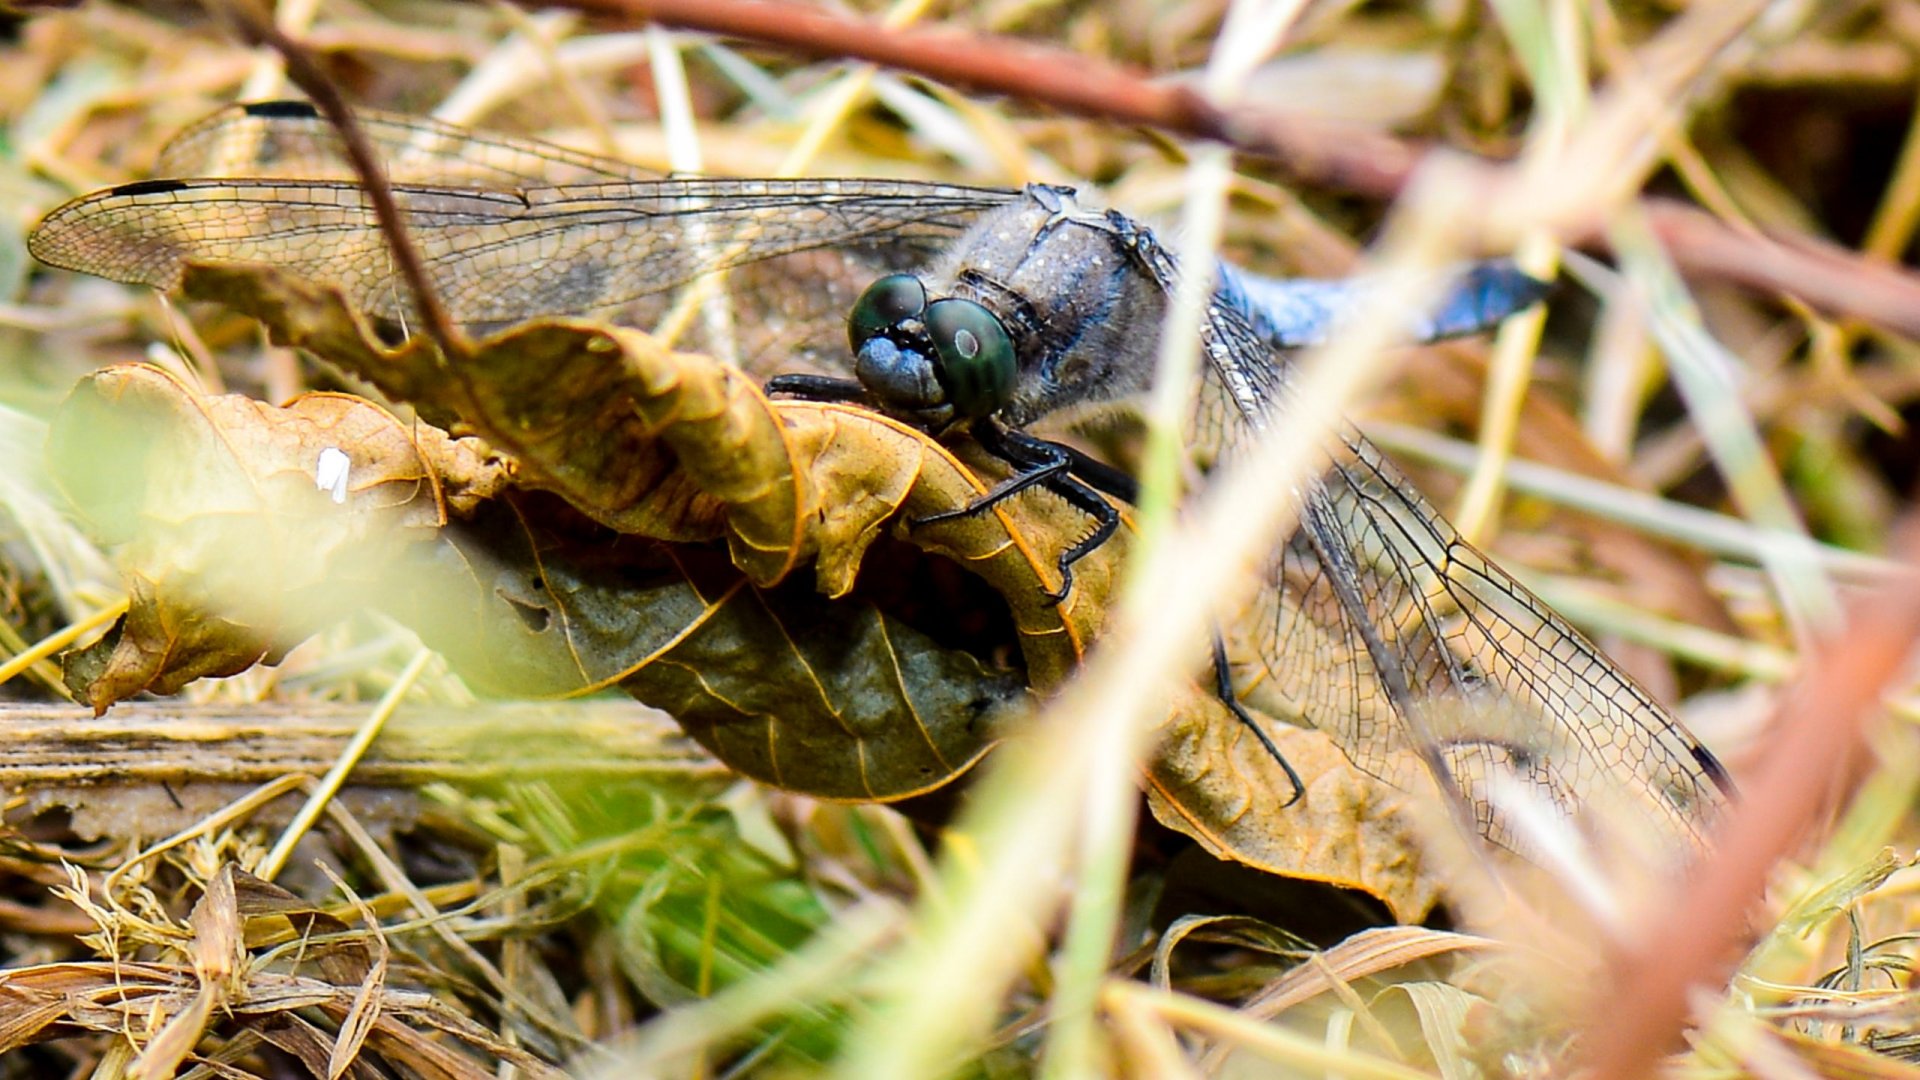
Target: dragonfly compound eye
[[887, 303], [974, 353]]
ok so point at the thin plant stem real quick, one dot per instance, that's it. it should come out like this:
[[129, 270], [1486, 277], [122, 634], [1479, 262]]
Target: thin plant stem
[[350, 756]]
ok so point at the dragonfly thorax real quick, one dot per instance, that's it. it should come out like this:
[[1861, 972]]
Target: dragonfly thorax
[[1084, 321]]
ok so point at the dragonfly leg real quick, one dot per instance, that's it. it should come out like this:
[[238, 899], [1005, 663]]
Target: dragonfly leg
[[1036, 466], [1106, 523], [1223, 689], [1102, 477], [1049, 465], [1080, 485], [817, 388]]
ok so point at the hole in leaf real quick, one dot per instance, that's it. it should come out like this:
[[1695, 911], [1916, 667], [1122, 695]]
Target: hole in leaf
[[536, 617]]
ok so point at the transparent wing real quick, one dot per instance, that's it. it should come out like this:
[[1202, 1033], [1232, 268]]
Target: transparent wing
[[1382, 627], [496, 256], [290, 140], [1421, 658]]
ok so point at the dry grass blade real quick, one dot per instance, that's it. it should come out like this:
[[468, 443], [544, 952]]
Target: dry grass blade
[[1366, 953], [221, 970], [218, 958], [1819, 740], [350, 758], [365, 1012], [1275, 1045]]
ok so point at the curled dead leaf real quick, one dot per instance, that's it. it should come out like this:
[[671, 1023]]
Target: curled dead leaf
[[231, 551], [637, 437], [856, 700], [682, 448]]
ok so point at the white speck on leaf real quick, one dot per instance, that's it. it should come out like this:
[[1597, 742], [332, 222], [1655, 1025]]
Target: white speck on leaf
[[330, 473]]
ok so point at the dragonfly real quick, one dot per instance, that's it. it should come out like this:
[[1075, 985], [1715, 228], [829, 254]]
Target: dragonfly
[[990, 310]]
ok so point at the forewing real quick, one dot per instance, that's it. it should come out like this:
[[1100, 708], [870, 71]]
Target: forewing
[[496, 257], [290, 140]]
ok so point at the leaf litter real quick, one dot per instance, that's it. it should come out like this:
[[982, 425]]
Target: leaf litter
[[518, 529]]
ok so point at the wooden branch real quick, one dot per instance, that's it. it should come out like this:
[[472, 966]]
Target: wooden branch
[[174, 743], [1836, 281], [1833, 279], [1313, 150]]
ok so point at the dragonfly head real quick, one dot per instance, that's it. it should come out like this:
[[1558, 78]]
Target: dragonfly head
[[941, 362]]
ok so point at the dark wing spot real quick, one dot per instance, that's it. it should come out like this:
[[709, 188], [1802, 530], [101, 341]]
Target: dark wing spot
[[1715, 771], [299, 110], [149, 187]]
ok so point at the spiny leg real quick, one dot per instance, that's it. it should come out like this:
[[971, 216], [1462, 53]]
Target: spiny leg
[[1087, 476], [1106, 523], [1048, 465]]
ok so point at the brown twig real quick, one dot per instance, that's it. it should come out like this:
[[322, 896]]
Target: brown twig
[[258, 27], [977, 62], [1830, 278], [1341, 157], [1316, 152], [138, 743], [1819, 742]]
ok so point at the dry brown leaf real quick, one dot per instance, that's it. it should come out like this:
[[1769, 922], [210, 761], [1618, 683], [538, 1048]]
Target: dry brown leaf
[[230, 551], [839, 701], [842, 699], [593, 414], [679, 447], [1214, 781]]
